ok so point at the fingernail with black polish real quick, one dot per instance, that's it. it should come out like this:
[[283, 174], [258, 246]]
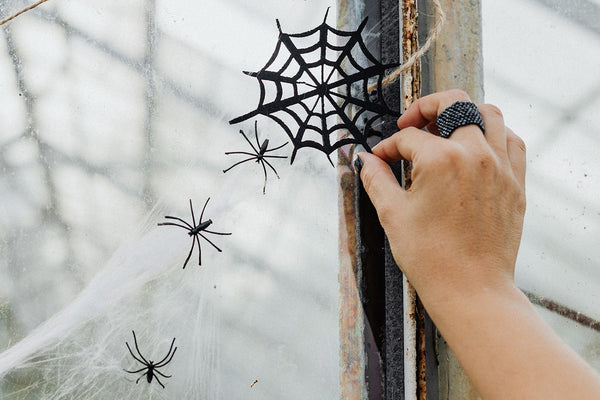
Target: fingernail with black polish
[[358, 164]]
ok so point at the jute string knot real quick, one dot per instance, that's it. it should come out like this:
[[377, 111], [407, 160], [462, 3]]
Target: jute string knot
[[408, 64]]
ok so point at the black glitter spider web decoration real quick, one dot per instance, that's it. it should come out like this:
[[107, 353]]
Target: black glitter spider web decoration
[[314, 95]]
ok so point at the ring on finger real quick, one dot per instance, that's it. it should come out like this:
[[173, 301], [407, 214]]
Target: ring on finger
[[459, 114]]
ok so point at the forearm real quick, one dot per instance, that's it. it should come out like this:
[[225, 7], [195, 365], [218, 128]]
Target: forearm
[[507, 350]]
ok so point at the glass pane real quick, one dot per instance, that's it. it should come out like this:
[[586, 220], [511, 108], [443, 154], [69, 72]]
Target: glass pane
[[541, 67], [114, 115]]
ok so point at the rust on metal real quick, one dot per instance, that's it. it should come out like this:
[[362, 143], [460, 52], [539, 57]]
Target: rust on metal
[[411, 90], [563, 311], [421, 358], [351, 360], [411, 81], [351, 322]]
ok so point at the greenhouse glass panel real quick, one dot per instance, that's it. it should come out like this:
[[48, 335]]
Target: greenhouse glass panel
[[543, 74], [114, 128]]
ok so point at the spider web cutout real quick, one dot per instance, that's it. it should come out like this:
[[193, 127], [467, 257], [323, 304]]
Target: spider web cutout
[[318, 76]]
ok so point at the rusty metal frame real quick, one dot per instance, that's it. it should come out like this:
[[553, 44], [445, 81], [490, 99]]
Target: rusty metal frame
[[370, 309], [454, 61], [378, 343], [372, 318]]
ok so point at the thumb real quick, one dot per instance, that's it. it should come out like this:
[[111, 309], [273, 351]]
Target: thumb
[[380, 183]]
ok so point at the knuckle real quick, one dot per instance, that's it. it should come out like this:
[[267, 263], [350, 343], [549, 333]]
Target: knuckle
[[402, 136], [515, 140], [452, 158], [445, 158], [486, 160], [458, 94], [491, 109]]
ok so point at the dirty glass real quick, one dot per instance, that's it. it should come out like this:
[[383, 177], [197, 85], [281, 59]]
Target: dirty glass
[[113, 115], [542, 59]]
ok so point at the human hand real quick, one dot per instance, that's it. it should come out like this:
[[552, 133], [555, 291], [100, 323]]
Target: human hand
[[457, 229], [455, 233]]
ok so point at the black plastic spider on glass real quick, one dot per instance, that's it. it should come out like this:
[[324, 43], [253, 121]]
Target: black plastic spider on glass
[[259, 154], [195, 230], [150, 368]]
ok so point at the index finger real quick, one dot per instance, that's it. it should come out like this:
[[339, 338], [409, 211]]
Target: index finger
[[426, 109], [405, 145]]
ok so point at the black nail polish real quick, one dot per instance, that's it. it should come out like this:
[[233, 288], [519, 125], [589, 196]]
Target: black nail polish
[[358, 164]]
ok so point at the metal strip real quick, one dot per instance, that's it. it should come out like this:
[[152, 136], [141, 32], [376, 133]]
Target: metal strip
[[414, 372], [454, 61]]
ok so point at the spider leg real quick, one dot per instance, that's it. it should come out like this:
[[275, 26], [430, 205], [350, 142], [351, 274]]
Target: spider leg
[[249, 142], [137, 348], [273, 168], [141, 376], [214, 245], [256, 134], [133, 355], [274, 156], [161, 374], [240, 152], [158, 380], [238, 163], [160, 363], [262, 164], [276, 148], [180, 220], [217, 233], [174, 224], [192, 210], [199, 251], [202, 214], [135, 372], [189, 254]]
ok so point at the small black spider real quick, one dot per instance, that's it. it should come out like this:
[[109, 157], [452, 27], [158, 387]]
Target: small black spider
[[259, 154], [195, 230], [150, 367]]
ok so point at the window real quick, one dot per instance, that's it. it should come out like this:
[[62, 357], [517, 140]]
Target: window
[[112, 116]]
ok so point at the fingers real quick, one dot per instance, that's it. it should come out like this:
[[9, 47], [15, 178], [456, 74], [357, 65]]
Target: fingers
[[405, 145], [516, 155], [412, 141], [424, 112], [426, 109], [379, 182], [495, 131]]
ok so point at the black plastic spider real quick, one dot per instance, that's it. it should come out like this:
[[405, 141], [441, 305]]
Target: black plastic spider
[[150, 367], [259, 154], [195, 230]]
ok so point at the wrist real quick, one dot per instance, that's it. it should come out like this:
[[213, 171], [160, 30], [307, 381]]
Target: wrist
[[452, 288]]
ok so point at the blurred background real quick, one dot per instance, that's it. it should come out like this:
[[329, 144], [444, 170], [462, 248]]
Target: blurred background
[[541, 63], [113, 115]]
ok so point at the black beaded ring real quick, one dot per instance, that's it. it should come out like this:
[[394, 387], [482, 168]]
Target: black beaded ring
[[458, 114]]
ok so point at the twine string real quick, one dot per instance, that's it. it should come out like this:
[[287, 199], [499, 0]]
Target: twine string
[[433, 35], [31, 7]]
